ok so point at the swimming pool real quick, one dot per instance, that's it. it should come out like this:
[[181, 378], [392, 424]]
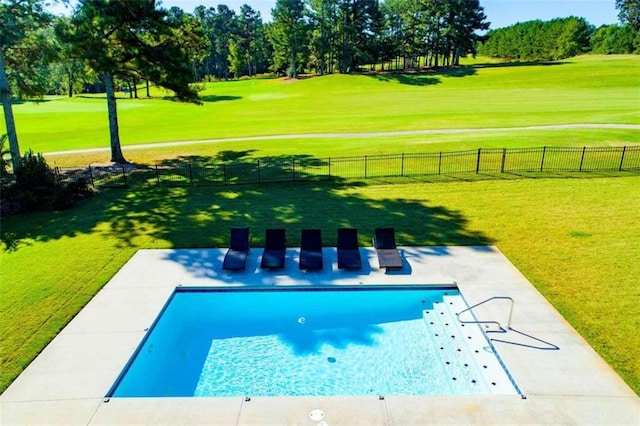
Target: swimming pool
[[313, 341]]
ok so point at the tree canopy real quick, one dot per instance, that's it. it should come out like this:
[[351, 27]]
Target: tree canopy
[[337, 35], [539, 40], [26, 48], [134, 39], [288, 34], [629, 12], [615, 39]]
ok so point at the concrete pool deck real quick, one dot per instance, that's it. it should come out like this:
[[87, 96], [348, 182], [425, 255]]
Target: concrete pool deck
[[68, 381]]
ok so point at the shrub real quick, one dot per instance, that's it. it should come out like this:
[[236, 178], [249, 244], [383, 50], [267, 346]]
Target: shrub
[[69, 194], [36, 187], [35, 175], [266, 75], [5, 176]]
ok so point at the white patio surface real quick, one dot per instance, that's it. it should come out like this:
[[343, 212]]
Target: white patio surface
[[68, 381]]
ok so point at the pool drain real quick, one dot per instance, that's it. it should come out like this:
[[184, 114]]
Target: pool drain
[[316, 415]]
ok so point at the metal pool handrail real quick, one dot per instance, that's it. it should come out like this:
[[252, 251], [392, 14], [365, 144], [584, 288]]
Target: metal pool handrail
[[470, 308]]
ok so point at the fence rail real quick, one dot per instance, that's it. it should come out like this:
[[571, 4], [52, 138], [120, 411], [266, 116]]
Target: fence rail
[[480, 161]]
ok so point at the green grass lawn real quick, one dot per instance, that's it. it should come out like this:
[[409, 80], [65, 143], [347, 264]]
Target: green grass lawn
[[359, 146], [590, 89], [552, 230], [574, 239]]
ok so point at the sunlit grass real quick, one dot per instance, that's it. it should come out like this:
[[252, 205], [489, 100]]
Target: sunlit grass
[[580, 90], [359, 146], [575, 239]]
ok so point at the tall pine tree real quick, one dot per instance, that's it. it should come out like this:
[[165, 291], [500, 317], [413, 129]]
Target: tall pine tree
[[289, 34], [133, 38], [24, 49]]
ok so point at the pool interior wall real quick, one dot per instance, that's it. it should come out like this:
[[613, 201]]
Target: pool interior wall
[[301, 341]]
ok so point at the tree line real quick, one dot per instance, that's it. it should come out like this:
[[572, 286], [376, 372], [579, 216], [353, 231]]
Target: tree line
[[317, 36], [558, 39], [320, 36], [327, 36]]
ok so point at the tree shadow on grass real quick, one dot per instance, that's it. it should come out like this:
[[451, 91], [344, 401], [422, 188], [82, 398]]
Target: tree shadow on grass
[[206, 98], [198, 161], [191, 216], [228, 167], [423, 78], [457, 72], [514, 64], [34, 101], [215, 98], [201, 217], [412, 79], [434, 76]]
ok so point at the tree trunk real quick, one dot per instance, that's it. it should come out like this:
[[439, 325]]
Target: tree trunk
[[293, 67], [70, 87], [148, 95], [5, 94], [116, 151]]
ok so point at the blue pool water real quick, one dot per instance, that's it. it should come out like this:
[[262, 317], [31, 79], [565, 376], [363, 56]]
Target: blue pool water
[[314, 342]]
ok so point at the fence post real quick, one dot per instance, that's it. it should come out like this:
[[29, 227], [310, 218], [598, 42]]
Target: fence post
[[584, 148], [91, 176], [190, 173], [157, 176], [544, 152], [293, 168], [624, 149], [504, 158], [259, 171], [124, 175], [402, 166], [56, 171], [439, 163], [365, 166], [478, 161]]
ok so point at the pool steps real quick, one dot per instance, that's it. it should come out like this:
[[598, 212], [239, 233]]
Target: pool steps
[[465, 348]]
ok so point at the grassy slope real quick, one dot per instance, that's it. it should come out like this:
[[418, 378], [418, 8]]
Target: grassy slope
[[586, 266], [580, 90]]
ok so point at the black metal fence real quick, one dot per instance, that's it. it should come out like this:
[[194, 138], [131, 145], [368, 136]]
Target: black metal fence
[[480, 161]]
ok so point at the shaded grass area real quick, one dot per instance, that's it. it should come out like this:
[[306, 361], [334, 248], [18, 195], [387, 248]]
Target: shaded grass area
[[552, 230], [593, 89]]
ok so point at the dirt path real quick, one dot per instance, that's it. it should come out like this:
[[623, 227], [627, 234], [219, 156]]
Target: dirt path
[[356, 135]]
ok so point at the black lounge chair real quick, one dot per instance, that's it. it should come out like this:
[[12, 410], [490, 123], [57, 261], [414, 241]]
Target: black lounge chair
[[348, 249], [236, 257], [385, 244], [311, 250], [274, 249]]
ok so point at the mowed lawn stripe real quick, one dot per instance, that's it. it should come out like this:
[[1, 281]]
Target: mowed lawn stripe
[[593, 89]]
